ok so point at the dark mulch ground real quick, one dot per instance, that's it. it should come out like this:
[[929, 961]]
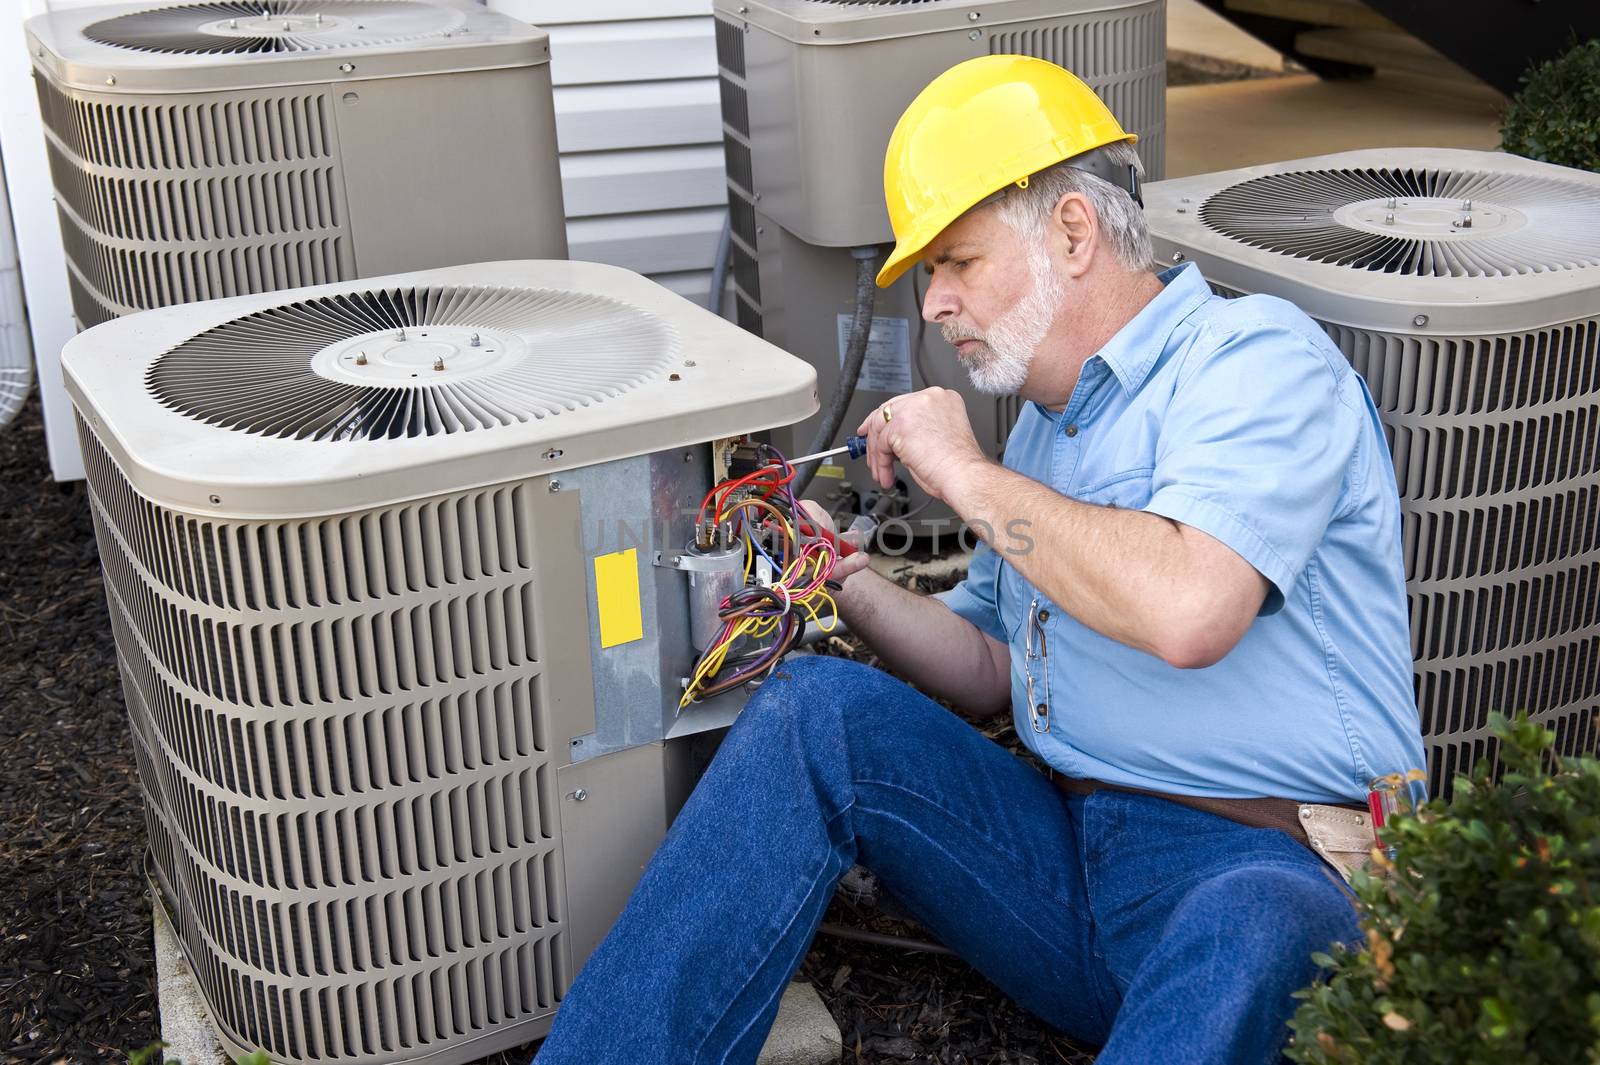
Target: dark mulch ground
[[77, 977]]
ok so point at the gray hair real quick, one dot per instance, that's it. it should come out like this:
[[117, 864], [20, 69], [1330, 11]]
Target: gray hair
[[1122, 222]]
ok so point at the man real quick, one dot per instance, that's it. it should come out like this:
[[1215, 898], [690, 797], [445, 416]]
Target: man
[[1191, 587]]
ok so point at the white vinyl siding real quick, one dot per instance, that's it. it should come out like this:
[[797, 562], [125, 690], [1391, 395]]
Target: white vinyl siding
[[639, 126]]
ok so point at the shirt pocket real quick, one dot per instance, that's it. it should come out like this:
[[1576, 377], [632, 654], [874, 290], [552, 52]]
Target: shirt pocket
[[1128, 490]]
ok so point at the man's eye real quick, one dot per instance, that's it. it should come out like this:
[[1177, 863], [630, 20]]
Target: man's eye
[[962, 264]]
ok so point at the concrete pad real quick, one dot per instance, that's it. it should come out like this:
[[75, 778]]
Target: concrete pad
[[185, 1024], [805, 1033], [1193, 27], [1244, 123]]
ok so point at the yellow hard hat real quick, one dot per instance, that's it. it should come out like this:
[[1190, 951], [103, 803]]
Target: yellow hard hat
[[978, 127]]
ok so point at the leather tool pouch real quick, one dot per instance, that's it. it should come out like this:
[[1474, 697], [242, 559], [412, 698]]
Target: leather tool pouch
[[1341, 837]]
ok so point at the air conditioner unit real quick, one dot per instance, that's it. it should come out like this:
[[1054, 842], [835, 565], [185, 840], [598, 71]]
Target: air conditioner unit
[[395, 569], [811, 90], [1465, 287], [212, 149]]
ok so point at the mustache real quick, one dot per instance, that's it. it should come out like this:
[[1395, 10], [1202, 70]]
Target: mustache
[[954, 334]]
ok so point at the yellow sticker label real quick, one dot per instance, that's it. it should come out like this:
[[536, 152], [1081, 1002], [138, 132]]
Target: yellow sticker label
[[827, 469], [616, 593]]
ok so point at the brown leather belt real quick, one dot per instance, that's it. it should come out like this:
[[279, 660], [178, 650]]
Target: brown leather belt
[[1282, 814]]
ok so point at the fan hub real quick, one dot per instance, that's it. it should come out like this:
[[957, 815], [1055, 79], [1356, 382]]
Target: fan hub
[[270, 25], [418, 355], [1430, 217]]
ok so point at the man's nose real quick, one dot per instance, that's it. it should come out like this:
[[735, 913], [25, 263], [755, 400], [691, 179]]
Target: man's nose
[[939, 303]]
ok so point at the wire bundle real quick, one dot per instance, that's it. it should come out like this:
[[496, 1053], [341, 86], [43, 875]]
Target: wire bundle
[[763, 621]]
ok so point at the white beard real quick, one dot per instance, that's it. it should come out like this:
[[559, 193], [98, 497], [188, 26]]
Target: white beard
[[999, 366]]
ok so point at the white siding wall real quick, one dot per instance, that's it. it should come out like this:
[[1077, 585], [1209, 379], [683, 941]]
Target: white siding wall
[[44, 264], [640, 130]]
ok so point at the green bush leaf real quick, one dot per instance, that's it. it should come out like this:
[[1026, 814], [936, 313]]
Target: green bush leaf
[[1555, 117], [1484, 939]]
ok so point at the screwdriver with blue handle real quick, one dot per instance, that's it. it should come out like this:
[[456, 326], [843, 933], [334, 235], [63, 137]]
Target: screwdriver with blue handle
[[855, 446]]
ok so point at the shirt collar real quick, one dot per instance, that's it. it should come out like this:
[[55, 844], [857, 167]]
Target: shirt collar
[[1136, 346]]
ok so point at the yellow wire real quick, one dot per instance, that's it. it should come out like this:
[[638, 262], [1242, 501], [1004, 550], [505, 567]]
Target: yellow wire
[[801, 569]]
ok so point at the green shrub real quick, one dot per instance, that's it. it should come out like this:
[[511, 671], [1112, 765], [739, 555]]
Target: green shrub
[[1483, 942], [1555, 116]]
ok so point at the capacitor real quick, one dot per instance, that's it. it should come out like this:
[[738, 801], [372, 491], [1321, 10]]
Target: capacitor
[[717, 573]]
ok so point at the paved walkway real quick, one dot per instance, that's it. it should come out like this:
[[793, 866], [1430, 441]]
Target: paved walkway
[[1193, 27], [1244, 123]]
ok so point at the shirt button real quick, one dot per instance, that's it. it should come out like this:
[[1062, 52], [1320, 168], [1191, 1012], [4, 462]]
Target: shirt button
[[1072, 430], [1044, 615]]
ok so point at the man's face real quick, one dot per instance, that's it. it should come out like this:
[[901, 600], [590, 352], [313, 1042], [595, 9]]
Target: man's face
[[994, 298]]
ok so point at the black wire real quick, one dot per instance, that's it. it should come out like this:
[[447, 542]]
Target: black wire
[[919, 350]]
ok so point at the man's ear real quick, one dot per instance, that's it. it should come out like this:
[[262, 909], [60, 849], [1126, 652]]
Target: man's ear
[[1075, 229]]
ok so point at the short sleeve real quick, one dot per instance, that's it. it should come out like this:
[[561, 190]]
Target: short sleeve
[[974, 597], [1255, 448]]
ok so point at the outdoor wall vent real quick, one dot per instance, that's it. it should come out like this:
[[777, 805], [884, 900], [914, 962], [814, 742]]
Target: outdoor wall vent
[[811, 90], [204, 150], [400, 771], [1465, 287]]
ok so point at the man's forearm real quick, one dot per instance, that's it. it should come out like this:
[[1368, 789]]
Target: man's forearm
[[1120, 572], [924, 641]]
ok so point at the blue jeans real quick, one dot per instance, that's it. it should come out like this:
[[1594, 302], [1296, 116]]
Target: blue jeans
[[1164, 933]]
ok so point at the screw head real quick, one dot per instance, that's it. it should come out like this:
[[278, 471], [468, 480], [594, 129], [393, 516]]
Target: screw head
[[1178, 256], [361, 358], [111, 79], [555, 486], [215, 500], [974, 35], [438, 364], [1420, 320], [553, 454], [475, 341], [347, 68], [579, 795], [972, 16]]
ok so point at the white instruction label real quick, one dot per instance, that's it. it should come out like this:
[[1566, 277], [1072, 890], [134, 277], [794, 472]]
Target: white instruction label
[[887, 367]]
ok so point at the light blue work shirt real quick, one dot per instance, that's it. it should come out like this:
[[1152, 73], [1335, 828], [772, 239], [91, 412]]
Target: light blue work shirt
[[1241, 419]]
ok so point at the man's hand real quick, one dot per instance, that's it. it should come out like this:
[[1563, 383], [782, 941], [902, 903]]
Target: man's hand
[[847, 564], [930, 435]]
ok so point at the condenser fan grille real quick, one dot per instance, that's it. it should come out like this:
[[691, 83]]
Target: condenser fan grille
[[274, 26], [409, 362], [1416, 222]]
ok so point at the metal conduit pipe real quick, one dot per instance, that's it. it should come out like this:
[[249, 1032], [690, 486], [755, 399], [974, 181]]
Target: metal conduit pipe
[[867, 259], [16, 351], [719, 268], [839, 931]]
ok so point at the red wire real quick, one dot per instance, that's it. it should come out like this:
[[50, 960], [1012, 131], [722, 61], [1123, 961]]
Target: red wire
[[769, 485]]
